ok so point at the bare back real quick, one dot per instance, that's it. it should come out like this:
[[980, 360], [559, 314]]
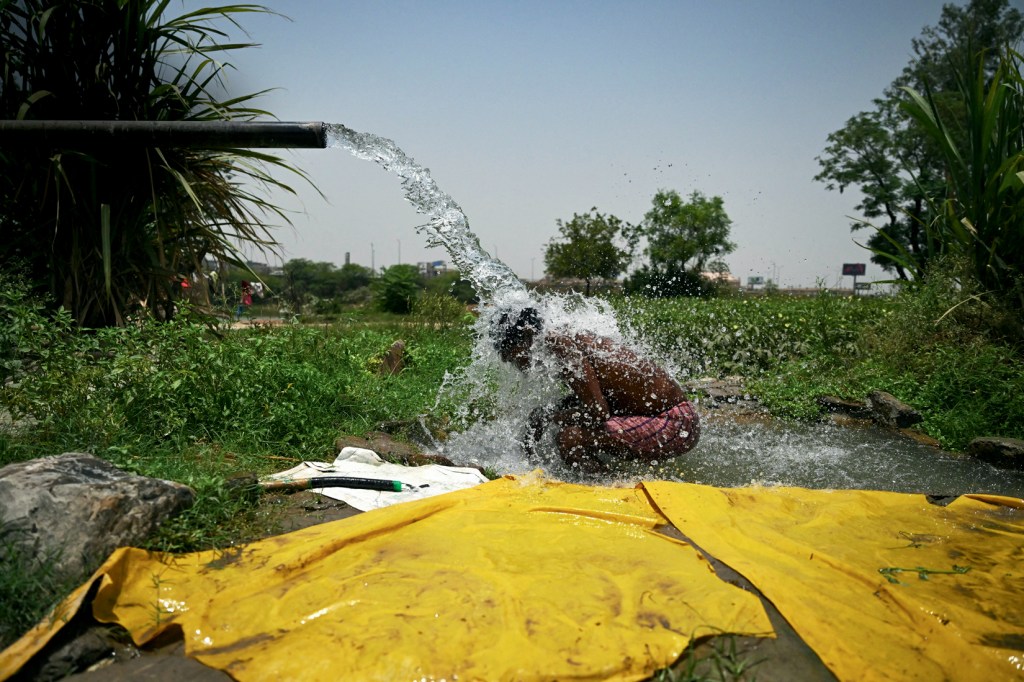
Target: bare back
[[614, 380]]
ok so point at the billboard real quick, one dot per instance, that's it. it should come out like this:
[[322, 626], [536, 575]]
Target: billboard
[[855, 269]]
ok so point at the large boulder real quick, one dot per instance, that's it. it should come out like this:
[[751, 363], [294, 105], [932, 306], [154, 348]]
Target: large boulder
[[1007, 453], [854, 409], [75, 509], [887, 410]]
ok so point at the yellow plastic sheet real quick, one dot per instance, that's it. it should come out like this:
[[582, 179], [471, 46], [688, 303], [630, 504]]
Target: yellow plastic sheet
[[513, 579], [825, 560]]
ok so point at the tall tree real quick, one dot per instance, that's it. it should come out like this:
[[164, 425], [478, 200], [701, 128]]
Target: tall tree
[[397, 288], [685, 235], [588, 248], [886, 154], [682, 237], [104, 227]]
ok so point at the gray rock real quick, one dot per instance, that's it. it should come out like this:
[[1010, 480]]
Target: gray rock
[[836, 405], [887, 410], [1001, 452], [76, 509], [730, 390]]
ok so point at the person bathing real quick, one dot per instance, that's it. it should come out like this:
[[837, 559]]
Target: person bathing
[[621, 404]]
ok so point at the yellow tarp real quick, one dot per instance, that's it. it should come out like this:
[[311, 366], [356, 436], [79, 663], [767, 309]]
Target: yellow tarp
[[513, 579], [527, 579], [825, 558]]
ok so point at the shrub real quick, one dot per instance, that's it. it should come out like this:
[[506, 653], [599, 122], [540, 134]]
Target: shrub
[[396, 289]]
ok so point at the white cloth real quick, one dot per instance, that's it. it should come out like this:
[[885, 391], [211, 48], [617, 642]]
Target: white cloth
[[425, 481]]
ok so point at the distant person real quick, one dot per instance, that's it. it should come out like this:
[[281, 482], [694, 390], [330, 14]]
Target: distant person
[[245, 301], [622, 404]]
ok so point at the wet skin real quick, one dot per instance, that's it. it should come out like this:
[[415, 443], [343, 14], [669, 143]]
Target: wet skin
[[606, 380]]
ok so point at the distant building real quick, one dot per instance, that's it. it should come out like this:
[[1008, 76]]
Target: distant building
[[724, 278], [432, 269]]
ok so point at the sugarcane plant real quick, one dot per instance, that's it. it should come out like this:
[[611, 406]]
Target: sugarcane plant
[[981, 139], [107, 229]]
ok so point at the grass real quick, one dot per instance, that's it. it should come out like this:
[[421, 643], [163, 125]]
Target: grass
[[721, 660], [30, 587], [938, 347]]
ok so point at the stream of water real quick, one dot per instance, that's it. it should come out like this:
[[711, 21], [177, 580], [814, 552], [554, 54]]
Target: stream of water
[[492, 400]]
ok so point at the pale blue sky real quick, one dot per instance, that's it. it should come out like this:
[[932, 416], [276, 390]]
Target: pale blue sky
[[527, 112]]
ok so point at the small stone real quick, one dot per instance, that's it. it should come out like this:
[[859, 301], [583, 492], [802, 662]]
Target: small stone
[[888, 410]]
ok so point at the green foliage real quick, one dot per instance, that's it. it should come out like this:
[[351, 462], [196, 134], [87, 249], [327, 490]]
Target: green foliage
[[126, 393], [453, 284], [982, 215], [106, 227], [897, 165], [306, 282], [29, 588], [440, 311], [932, 347], [748, 336], [722, 658], [222, 517], [871, 153], [397, 288], [684, 235], [588, 249], [652, 283]]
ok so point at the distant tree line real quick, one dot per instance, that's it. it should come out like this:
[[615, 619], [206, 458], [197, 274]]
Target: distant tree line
[[677, 240], [323, 288]]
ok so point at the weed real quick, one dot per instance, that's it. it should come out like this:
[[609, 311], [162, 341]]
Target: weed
[[720, 659], [30, 586]]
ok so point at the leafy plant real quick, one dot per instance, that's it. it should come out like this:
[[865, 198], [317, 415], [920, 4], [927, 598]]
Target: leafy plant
[[397, 288], [719, 659], [682, 236], [887, 155], [982, 215], [440, 311], [104, 228], [587, 248], [29, 587]]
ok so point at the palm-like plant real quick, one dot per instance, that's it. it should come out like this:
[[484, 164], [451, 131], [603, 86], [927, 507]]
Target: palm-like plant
[[982, 214], [104, 228]]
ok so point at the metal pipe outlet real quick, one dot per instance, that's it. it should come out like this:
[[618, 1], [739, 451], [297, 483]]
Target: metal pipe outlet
[[196, 134]]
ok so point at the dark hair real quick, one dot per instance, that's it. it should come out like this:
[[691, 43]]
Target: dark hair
[[512, 330]]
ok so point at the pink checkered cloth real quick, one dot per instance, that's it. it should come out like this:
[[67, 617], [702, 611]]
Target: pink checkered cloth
[[673, 432]]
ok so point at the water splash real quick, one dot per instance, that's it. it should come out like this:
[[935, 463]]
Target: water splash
[[448, 225], [490, 400]]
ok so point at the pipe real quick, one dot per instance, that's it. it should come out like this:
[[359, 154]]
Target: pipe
[[197, 134]]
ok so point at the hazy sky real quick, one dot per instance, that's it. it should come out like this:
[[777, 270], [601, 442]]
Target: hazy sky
[[528, 112]]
